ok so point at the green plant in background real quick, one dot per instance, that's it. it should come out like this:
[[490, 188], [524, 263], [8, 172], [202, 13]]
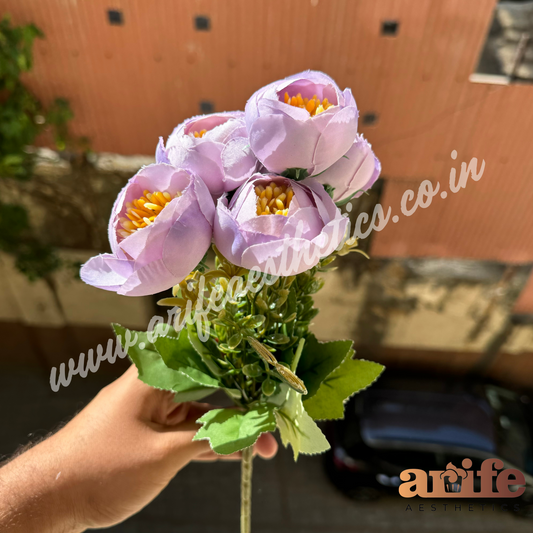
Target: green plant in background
[[22, 119], [32, 257], [21, 113], [58, 116]]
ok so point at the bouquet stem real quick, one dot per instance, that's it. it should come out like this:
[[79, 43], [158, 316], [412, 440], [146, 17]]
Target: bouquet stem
[[246, 489]]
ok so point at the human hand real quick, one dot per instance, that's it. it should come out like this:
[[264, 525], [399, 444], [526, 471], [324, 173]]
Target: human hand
[[109, 462]]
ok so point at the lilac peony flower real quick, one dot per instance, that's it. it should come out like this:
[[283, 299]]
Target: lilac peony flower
[[353, 173], [277, 225], [159, 230], [303, 121], [215, 147]]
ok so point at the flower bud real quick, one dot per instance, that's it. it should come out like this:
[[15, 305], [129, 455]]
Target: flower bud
[[268, 387]]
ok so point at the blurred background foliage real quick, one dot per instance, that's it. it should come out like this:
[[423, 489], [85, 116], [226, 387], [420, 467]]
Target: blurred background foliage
[[22, 119]]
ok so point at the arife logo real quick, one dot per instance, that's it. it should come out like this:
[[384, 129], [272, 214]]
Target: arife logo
[[459, 482]]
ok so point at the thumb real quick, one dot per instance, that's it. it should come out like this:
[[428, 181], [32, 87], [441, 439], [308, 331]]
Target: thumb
[[183, 449], [178, 439]]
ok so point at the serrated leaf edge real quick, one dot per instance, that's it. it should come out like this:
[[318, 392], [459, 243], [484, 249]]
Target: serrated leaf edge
[[286, 446], [345, 401], [350, 353], [199, 383], [226, 454], [183, 373]]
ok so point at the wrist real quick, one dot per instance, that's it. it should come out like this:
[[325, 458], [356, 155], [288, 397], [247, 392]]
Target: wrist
[[61, 485], [34, 498]]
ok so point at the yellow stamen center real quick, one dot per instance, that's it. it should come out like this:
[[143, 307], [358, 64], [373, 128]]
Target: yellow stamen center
[[143, 211], [273, 199], [198, 134], [313, 105]]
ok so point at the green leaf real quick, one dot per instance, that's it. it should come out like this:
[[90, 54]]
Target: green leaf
[[234, 340], [296, 174], [280, 396], [153, 371], [278, 338], [318, 360], [230, 430], [206, 350], [164, 330], [298, 429], [178, 354], [194, 394], [12, 160], [352, 376], [329, 189], [255, 321]]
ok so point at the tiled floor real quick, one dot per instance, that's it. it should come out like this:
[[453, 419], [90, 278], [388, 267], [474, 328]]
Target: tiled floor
[[204, 497]]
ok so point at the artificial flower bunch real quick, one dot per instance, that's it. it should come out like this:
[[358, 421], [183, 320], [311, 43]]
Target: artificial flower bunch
[[261, 188]]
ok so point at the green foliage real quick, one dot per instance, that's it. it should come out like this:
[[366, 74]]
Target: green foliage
[[18, 109], [352, 376], [32, 257], [296, 174], [178, 354], [230, 430], [13, 221], [319, 359], [36, 260], [277, 316], [207, 351], [58, 116], [255, 345], [330, 190], [22, 119], [15, 50], [298, 429], [154, 372]]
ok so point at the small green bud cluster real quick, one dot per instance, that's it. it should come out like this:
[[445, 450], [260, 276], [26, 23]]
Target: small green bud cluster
[[254, 341]]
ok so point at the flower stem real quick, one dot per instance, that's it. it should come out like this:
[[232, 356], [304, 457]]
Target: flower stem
[[297, 355], [246, 489]]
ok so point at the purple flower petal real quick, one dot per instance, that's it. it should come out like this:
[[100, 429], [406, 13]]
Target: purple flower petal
[[160, 255], [356, 171], [278, 244], [283, 136], [221, 157]]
